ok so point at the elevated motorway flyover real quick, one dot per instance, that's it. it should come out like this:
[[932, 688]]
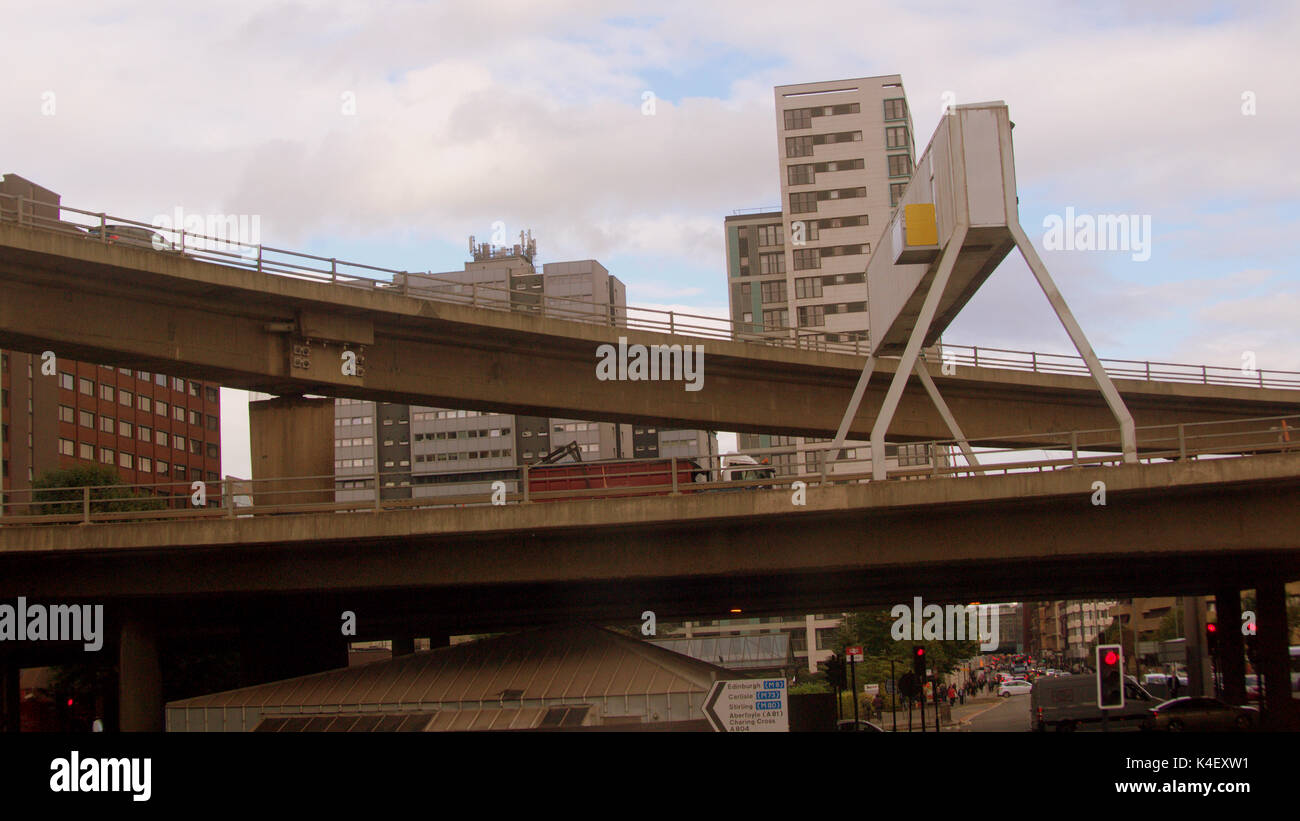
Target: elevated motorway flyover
[[286, 334]]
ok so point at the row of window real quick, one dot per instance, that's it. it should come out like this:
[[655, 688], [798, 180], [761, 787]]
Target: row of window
[[478, 433], [574, 427], [462, 456], [803, 117], [129, 461], [803, 146], [806, 173], [803, 202], [811, 287], [178, 413], [354, 442], [87, 386], [773, 291], [354, 463], [120, 427], [770, 235], [346, 421]]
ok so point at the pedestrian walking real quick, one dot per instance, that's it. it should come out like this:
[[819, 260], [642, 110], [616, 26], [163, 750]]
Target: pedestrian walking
[[952, 696]]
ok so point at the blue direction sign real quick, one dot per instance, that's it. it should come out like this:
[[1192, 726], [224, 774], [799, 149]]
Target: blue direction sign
[[755, 705]]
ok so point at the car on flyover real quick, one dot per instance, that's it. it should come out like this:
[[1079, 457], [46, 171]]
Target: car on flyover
[[134, 235], [1198, 713]]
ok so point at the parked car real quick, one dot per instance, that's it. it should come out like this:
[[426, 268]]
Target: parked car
[[1198, 713], [130, 235], [1015, 687]]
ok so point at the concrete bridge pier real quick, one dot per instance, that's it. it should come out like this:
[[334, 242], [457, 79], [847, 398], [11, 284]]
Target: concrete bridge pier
[[10, 701], [403, 646], [140, 696], [1281, 712], [1232, 649]]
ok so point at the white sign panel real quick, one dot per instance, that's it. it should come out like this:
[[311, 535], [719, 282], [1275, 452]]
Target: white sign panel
[[756, 705]]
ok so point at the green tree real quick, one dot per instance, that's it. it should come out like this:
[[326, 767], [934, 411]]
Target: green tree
[[61, 492]]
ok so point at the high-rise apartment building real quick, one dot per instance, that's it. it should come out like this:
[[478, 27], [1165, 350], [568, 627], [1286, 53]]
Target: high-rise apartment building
[[424, 451], [845, 154]]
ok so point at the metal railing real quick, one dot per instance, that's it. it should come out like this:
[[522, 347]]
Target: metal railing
[[612, 479], [93, 227]]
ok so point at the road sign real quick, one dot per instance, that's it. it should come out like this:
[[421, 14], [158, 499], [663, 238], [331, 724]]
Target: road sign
[[853, 653], [755, 705]]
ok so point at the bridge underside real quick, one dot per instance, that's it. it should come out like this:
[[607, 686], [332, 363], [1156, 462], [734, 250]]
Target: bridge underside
[[158, 312]]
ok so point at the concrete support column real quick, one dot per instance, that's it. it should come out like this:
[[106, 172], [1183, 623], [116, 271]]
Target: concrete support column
[[10, 697], [140, 676], [403, 646], [1199, 682], [1232, 650], [1273, 654]]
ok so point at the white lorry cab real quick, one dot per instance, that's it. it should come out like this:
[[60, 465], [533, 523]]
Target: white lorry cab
[[738, 467], [1069, 703]]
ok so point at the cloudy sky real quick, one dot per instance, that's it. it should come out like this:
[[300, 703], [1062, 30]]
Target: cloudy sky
[[388, 132]]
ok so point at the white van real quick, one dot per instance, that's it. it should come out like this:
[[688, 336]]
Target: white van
[[1069, 703]]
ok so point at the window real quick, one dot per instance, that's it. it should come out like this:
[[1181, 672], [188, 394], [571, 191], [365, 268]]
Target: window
[[87, 419], [798, 118], [85, 450], [196, 475], [212, 450], [798, 146], [896, 190], [802, 203], [178, 471], [66, 447], [160, 408], [770, 235], [211, 394], [87, 386], [146, 464], [106, 392], [178, 413], [126, 460], [194, 388], [196, 447], [107, 424], [896, 137], [801, 174], [773, 291], [145, 433], [106, 455], [212, 422], [124, 371], [896, 109], [808, 288], [124, 429], [160, 438], [775, 320], [160, 380], [65, 414], [900, 165], [65, 381], [771, 264], [812, 316], [178, 442], [142, 375], [178, 384], [162, 467], [143, 403], [807, 258]]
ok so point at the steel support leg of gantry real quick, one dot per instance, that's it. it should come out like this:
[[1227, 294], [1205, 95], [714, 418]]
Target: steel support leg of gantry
[[913, 348], [1127, 432]]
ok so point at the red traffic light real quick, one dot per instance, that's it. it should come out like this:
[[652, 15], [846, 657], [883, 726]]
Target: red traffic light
[[919, 651], [1211, 628], [1111, 658]]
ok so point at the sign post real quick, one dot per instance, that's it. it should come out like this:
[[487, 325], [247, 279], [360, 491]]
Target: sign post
[[756, 705]]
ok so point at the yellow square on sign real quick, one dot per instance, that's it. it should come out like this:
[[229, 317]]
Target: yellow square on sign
[[919, 227]]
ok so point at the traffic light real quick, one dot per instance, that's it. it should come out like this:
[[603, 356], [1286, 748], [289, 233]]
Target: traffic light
[[837, 673], [918, 662], [1212, 638], [1110, 676]]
